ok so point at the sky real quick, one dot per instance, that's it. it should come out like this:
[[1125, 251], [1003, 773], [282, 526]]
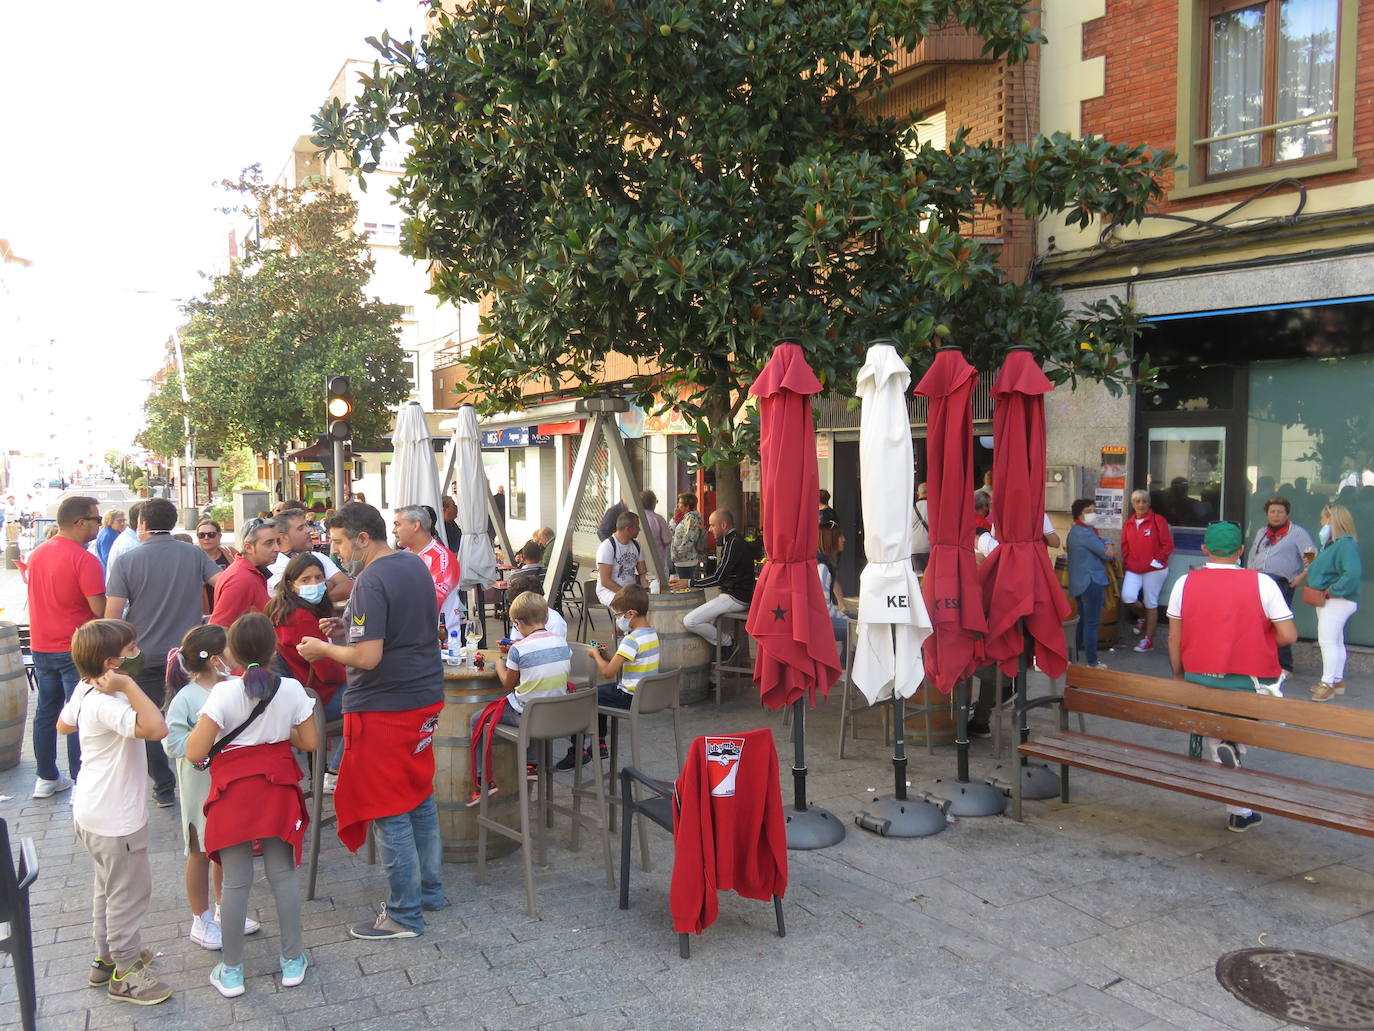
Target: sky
[[119, 119]]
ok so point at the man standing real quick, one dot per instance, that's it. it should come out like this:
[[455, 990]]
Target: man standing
[[619, 561], [128, 538], [162, 583], [293, 538], [391, 708], [734, 576], [1225, 626], [453, 536], [1281, 550], [609, 519], [243, 586], [415, 532], [66, 589]]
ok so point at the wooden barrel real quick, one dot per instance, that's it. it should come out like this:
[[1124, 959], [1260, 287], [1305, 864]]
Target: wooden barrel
[[1106, 630], [679, 648], [467, 692], [14, 696]]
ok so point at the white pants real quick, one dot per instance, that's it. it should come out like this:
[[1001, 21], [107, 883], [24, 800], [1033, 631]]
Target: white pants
[[1209, 752], [702, 619], [1331, 620], [1151, 583]]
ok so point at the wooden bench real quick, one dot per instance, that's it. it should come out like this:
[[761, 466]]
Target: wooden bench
[[1289, 725]]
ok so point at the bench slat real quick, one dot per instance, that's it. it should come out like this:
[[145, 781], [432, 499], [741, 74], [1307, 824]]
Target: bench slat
[[1134, 767], [1278, 737], [1337, 800], [1291, 711]]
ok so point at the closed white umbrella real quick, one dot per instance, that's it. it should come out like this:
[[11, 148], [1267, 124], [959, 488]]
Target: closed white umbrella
[[893, 621], [476, 559], [415, 474]]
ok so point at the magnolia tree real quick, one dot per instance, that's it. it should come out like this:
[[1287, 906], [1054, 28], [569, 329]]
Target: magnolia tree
[[684, 182]]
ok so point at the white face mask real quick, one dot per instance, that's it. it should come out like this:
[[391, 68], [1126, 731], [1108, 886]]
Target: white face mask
[[1088, 518], [622, 623], [1324, 534], [221, 670]]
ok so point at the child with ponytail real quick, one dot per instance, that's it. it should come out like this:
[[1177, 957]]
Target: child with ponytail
[[192, 671], [246, 730]]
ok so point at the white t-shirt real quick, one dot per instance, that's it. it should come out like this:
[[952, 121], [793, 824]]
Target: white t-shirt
[[554, 624], [229, 705], [111, 793], [279, 564], [987, 543], [624, 560], [1270, 596]]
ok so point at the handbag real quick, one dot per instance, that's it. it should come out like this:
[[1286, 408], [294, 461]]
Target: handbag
[[1313, 597]]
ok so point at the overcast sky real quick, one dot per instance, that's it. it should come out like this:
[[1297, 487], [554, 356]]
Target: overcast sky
[[119, 117]]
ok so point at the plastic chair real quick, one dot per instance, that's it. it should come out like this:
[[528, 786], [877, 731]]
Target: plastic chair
[[26, 653], [14, 912], [569, 590], [585, 620], [656, 693], [544, 721]]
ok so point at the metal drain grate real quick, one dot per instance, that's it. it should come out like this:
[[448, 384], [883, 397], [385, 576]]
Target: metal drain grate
[[1318, 992]]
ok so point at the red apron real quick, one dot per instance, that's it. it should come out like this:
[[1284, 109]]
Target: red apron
[[387, 768], [255, 792]]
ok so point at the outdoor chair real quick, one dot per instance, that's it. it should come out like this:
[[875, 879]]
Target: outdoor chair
[[589, 598], [656, 693], [1006, 710], [852, 700], [544, 721], [738, 658], [26, 652], [14, 913], [569, 591]]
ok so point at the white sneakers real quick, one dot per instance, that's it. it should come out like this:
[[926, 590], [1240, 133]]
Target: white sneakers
[[250, 926], [205, 931], [47, 788], [330, 781]]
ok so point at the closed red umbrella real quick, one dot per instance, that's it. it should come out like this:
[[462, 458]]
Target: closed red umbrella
[[1019, 586], [951, 588], [788, 618]]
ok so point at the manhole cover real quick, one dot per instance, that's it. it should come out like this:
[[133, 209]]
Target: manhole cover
[[1318, 992]]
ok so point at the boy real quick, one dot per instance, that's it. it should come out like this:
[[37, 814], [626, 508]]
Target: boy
[[636, 657], [114, 717], [536, 666]]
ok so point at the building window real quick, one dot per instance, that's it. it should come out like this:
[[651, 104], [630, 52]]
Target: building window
[[515, 490], [384, 233]]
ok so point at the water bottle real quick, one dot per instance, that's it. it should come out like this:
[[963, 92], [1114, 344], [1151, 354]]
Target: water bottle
[[454, 648]]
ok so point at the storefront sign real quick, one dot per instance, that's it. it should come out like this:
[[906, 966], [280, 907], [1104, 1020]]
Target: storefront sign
[[516, 436], [823, 445], [669, 423], [1111, 488], [559, 429]]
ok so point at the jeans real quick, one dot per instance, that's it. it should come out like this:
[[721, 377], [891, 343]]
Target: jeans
[[840, 626], [1089, 620], [56, 680], [153, 681], [1285, 650], [610, 694], [333, 712], [413, 854]]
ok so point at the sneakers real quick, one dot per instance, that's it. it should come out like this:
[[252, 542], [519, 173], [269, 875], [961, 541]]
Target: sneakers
[[1147, 644], [140, 986], [1099, 665], [532, 771], [979, 728], [1228, 756], [47, 788], [166, 800], [1139, 626], [1241, 824], [1324, 692], [103, 969], [566, 763], [382, 928], [475, 798], [293, 970], [331, 781], [250, 926], [228, 981], [205, 931]]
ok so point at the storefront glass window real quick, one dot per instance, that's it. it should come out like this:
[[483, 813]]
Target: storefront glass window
[[1310, 439], [1186, 469], [515, 503]]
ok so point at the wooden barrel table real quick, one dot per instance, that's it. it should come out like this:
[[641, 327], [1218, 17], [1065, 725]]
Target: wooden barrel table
[[14, 696], [678, 647], [466, 692]]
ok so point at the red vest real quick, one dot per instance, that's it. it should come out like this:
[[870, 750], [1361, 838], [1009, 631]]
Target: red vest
[[1225, 629]]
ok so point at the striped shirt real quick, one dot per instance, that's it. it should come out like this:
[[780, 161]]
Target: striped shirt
[[544, 662], [640, 648]]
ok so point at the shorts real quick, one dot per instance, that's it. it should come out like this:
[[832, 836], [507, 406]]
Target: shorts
[[1152, 583]]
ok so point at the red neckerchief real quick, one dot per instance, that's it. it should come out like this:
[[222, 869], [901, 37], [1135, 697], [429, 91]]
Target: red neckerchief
[[1272, 535]]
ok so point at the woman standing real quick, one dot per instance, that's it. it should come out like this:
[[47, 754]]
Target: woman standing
[[1088, 558], [110, 529], [209, 536], [1336, 572], [689, 537], [1146, 545]]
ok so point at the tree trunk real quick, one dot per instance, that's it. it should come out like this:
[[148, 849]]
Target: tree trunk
[[730, 491]]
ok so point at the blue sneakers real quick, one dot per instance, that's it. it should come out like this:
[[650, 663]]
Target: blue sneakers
[[228, 980], [293, 970]]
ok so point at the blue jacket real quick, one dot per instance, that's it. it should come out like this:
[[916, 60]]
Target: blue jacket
[[104, 541], [1087, 558]]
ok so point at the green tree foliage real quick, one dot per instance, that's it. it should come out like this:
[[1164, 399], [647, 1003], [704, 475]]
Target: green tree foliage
[[261, 340], [685, 181]]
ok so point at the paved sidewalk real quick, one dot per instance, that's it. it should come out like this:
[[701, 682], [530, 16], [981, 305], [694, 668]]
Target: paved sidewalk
[[1106, 913]]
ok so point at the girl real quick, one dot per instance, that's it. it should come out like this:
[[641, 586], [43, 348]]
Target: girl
[[255, 793], [1336, 572], [192, 671]]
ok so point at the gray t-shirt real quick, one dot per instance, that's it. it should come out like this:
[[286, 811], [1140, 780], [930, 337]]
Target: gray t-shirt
[[393, 602], [164, 581]]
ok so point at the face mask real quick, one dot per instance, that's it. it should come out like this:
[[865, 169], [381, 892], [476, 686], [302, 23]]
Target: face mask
[[131, 665], [221, 670], [312, 593], [622, 623], [1088, 518], [1324, 534]]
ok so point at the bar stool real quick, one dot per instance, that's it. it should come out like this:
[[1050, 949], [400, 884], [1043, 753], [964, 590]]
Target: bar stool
[[848, 706], [544, 721], [654, 693], [740, 635], [319, 763]]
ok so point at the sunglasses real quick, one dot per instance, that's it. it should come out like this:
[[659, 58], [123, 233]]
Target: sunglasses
[[207, 536]]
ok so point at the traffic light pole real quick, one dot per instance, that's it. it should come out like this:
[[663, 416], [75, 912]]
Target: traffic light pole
[[338, 446]]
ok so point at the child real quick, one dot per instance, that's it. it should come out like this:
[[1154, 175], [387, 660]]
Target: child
[[192, 670], [255, 793], [536, 666], [636, 657], [114, 718]]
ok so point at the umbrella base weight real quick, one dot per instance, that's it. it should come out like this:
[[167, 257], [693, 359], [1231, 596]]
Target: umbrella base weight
[[902, 818], [812, 828], [974, 799], [1038, 781]]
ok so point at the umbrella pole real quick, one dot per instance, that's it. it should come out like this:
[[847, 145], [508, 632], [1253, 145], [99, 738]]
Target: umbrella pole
[[970, 799], [898, 748], [899, 817], [1037, 781], [808, 827]]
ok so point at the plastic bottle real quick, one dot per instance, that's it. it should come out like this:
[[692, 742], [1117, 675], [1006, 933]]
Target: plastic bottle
[[454, 648]]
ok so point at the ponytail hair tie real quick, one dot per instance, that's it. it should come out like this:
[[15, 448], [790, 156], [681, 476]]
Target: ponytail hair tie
[[251, 665]]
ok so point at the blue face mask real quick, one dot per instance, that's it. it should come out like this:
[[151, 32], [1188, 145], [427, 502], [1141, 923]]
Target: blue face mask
[[313, 593], [1324, 534], [622, 623]]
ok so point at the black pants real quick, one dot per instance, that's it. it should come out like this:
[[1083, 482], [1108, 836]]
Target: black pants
[[1285, 650], [153, 680]]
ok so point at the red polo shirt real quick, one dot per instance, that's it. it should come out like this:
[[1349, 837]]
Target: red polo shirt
[[241, 588], [62, 575]]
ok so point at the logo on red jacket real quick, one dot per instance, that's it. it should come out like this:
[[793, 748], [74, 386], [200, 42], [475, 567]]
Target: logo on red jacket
[[722, 764], [427, 729]]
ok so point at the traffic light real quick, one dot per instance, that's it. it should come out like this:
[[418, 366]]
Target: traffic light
[[339, 407]]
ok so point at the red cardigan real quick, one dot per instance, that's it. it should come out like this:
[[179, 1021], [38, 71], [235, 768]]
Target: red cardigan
[[329, 674], [1151, 540]]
